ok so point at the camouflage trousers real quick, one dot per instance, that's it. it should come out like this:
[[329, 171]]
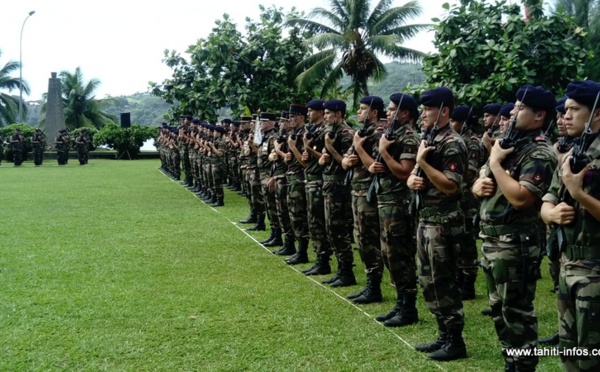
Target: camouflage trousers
[[185, 159], [436, 250], [257, 203], [579, 312], [337, 201], [397, 245], [246, 184], [82, 155], [316, 218], [17, 152], [234, 168], [207, 171], [270, 201], [175, 162], [38, 155], [366, 228], [281, 202], [509, 263], [467, 250], [218, 175], [296, 200]]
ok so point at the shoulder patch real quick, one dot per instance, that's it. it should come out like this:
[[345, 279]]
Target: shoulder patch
[[540, 155], [345, 130], [452, 151], [411, 142]]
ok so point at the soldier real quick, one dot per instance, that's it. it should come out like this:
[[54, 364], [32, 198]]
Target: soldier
[[247, 163], [314, 142], [233, 154], [82, 145], [264, 164], [366, 218], [336, 195], [61, 144], [16, 144], [511, 185], [461, 121], [572, 206], [394, 161], [217, 147], [436, 179], [295, 180], [38, 144], [490, 125], [184, 149], [278, 182]]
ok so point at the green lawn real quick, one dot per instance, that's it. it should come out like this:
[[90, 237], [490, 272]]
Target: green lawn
[[112, 266]]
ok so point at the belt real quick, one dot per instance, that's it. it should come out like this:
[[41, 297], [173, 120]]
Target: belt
[[360, 186], [438, 210], [497, 230], [313, 177], [578, 252], [332, 177], [295, 176]]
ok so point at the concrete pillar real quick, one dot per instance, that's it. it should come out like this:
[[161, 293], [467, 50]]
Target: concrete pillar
[[55, 117]]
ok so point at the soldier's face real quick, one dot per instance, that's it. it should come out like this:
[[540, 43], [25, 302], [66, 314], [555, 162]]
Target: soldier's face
[[488, 119], [331, 117], [504, 122], [391, 112], [560, 124], [576, 117], [285, 125], [363, 112], [456, 125], [429, 116], [527, 118], [315, 116], [266, 125]]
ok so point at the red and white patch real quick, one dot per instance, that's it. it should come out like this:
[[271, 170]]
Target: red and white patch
[[452, 166], [537, 178]]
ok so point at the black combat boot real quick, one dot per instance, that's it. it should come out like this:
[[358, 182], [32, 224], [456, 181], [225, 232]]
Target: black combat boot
[[219, 202], [214, 199], [346, 277], [322, 267], [408, 313], [250, 219], [260, 223], [276, 240], [335, 276], [372, 292], [395, 311], [467, 289], [268, 239], [453, 349], [208, 196], [549, 341], [487, 312], [430, 347], [354, 295], [302, 255], [289, 246]]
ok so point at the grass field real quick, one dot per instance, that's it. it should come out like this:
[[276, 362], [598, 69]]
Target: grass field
[[112, 266]]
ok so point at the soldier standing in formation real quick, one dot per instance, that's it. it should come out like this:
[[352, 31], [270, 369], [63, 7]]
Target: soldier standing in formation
[[82, 143], [62, 144], [38, 144], [17, 143]]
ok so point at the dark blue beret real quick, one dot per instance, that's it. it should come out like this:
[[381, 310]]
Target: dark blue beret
[[298, 110], [189, 117], [436, 96], [315, 104], [219, 129], [506, 109], [196, 121], [164, 124], [584, 92], [560, 105], [536, 97], [408, 103], [284, 115], [268, 116], [492, 108], [335, 105], [235, 123], [376, 103], [462, 113], [226, 121]]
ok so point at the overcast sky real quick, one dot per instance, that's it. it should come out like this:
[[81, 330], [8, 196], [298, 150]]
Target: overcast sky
[[121, 43]]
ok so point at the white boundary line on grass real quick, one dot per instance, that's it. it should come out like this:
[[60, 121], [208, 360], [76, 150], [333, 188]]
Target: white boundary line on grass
[[292, 267]]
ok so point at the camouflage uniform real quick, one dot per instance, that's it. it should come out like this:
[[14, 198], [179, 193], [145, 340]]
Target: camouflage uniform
[[82, 148], [38, 143], [16, 142], [579, 280], [441, 222], [511, 248], [279, 170], [397, 230], [337, 198], [264, 170], [218, 171], [297, 193]]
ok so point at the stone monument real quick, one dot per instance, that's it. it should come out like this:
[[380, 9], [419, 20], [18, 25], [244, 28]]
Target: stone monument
[[55, 117]]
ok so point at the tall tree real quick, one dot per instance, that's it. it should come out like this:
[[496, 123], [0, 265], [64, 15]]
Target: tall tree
[[80, 106], [350, 39], [9, 105]]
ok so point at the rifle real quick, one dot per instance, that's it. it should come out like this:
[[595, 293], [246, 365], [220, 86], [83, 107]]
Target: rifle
[[556, 239], [509, 140], [361, 133], [430, 135], [374, 186]]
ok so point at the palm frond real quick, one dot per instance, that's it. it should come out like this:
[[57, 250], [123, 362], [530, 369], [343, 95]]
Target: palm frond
[[397, 51], [326, 15], [311, 27], [316, 71], [406, 32], [379, 9], [327, 40], [311, 60], [359, 12], [395, 17], [340, 10], [330, 83]]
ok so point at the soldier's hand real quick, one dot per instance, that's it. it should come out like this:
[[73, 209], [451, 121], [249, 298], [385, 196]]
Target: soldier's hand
[[424, 149], [324, 159], [291, 142], [271, 184], [384, 143], [376, 167], [350, 161], [288, 157], [573, 181], [305, 156], [273, 156], [498, 154], [329, 141], [358, 141], [415, 182], [307, 142], [278, 145], [483, 187], [562, 214]]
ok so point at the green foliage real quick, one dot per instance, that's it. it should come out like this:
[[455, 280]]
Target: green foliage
[[486, 51], [353, 34], [145, 108], [127, 141], [9, 104], [90, 133], [26, 132], [237, 72]]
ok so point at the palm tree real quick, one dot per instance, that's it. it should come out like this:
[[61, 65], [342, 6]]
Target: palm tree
[[351, 40], [80, 107], [9, 105]]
